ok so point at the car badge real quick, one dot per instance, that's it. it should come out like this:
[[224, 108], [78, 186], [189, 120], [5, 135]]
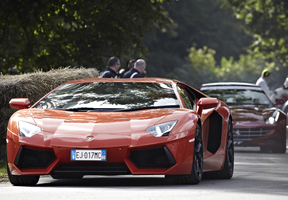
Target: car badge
[[238, 132], [90, 138]]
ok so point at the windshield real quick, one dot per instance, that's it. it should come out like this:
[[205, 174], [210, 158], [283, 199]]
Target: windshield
[[233, 95], [110, 96]]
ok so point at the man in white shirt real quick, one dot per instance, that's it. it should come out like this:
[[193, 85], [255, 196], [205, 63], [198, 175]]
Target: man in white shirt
[[262, 81]]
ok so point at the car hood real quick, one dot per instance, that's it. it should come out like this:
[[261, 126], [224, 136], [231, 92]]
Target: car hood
[[248, 114], [71, 129]]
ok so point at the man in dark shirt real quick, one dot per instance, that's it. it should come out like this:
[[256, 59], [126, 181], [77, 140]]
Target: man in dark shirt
[[129, 66], [137, 71], [112, 68]]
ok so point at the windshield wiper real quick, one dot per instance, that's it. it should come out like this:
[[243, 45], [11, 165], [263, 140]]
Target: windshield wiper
[[82, 109], [87, 109], [134, 109]]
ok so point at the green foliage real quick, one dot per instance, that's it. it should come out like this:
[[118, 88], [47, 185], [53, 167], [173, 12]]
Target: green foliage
[[202, 65], [55, 33], [200, 22], [3, 170], [267, 21], [246, 69], [202, 68], [223, 56]]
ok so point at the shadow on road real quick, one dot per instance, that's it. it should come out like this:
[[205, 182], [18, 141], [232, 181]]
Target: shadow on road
[[110, 181]]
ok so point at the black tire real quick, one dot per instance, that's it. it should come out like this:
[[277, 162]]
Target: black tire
[[23, 180], [265, 149], [279, 149], [228, 169], [196, 173]]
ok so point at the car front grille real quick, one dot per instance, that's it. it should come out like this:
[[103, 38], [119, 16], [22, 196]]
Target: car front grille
[[249, 133]]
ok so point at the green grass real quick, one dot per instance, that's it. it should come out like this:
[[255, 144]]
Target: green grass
[[3, 170]]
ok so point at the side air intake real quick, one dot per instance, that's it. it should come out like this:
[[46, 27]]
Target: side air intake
[[215, 132], [152, 158]]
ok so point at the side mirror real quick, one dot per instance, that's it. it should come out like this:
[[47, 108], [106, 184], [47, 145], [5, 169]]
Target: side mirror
[[206, 103], [20, 103], [279, 101]]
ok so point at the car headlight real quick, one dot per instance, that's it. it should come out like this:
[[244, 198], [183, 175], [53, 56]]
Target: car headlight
[[274, 118], [27, 129], [160, 130]]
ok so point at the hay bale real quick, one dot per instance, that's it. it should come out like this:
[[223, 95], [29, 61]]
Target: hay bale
[[33, 86]]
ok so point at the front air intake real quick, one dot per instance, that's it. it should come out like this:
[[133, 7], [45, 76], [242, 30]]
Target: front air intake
[[33, 158], [152, 158], [91, 169]]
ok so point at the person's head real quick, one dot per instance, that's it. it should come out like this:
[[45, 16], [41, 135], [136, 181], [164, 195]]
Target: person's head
[[285, 84], [114, 63], [140, 65], [12, 71], [131, 63], [266, 74]]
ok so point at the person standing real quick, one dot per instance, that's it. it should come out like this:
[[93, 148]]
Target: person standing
[[137, 71], [281, 92], [129, 66], [262, 81], [112, 68]]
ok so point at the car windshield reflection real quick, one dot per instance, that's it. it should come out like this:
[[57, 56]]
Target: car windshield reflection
[[238, 96], [109, 96]]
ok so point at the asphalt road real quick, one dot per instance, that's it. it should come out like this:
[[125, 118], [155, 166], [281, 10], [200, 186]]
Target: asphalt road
[[256, 176]]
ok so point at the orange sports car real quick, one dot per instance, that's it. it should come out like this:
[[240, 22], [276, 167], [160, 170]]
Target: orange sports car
[[148, 126]]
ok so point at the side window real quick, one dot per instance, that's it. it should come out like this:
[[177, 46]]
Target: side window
[[185, 97]]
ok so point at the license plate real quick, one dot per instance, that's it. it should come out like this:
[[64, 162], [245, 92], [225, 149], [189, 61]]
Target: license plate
[[88, 155]]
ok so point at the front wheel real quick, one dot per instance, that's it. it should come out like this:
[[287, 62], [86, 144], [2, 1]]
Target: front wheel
[[197, 166], [228, 168], [279, 149], [22, 180]]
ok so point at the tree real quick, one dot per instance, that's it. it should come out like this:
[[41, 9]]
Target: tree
[[200, 22], [246, 69], [199, 69], [202, 68], [267, 21], [53, 33]]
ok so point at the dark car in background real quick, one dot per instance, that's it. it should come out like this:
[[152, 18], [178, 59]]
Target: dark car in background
[[256, 120]]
